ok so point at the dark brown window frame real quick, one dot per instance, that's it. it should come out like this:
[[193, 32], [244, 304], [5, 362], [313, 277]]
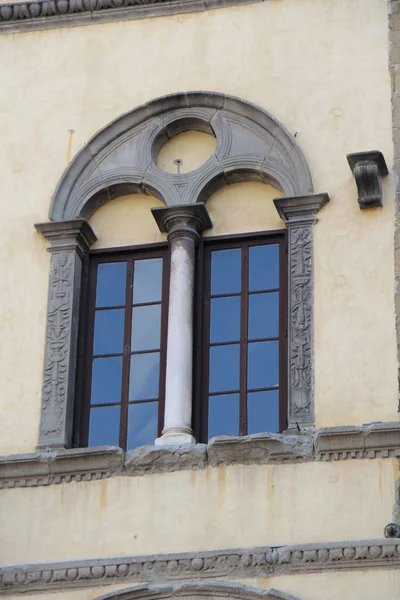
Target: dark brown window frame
[[202, 316], [200, 357], [86, 335]]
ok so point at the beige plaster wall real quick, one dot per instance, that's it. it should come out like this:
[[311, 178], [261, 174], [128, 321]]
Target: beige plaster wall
[[192, 148], [196, 510], [305, 62]]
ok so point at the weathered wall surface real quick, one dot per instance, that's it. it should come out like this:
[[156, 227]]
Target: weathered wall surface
[[196, 510], [280, 55]]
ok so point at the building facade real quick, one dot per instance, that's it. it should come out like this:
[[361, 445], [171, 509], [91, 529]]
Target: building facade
[[199, 302]]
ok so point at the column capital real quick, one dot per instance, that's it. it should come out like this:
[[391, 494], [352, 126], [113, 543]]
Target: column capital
[[185, 220], [76, 234], [300, 209]]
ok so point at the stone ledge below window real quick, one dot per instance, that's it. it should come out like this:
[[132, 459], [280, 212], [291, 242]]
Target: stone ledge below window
[[380, 440]]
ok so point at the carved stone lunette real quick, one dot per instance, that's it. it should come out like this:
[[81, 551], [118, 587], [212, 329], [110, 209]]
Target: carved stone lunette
[[299, 214], [368, 169], [68, 243]]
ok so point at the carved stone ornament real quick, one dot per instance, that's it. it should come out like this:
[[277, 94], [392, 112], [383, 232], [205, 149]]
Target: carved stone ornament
[[299, 214], [368, 169], [392, 530], [183, 220], [193, 573], [122, 159], [61, 466], [68, 242], [53, 14]]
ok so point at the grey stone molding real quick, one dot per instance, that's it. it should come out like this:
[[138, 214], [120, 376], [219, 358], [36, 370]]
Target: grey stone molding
[[368, 169], [378, 440], [265, 561], [212, 590], [18, 17], [394, 68], [299, 214], [183, 220], [50, 467], [120, 159], [68, 242]]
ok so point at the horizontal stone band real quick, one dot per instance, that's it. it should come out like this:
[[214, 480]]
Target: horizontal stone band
[[242, 563], [381, 440], [52, 14]]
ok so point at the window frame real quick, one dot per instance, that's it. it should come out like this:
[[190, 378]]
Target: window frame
[[202, 321], [86, 335], [201, 347]]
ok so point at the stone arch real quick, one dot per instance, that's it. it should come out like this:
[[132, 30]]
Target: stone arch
[[210, 590], [251, 146]]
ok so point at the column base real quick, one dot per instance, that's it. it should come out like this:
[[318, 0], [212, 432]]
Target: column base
[[175, 437]]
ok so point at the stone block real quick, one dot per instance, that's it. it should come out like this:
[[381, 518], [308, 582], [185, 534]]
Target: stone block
[[147, 460], [262, 448]]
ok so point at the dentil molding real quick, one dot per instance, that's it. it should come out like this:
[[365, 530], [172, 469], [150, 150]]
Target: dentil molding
[[51, 467]]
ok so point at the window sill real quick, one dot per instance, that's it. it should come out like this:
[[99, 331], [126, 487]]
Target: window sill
[[381, 440]]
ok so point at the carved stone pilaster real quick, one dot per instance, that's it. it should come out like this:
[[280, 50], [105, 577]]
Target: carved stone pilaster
[[368, 169], [68, 243], [299, 214]]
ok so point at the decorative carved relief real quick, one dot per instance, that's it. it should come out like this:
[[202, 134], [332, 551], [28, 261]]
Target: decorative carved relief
[[300, 261], [241, 563], [299, 214], [57, 343], [368, 169], [69, 240]]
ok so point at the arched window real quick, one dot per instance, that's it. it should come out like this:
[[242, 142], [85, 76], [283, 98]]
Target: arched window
[[219, 325]]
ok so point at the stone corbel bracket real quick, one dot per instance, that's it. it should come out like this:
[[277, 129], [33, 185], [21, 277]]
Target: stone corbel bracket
[[368, 169]]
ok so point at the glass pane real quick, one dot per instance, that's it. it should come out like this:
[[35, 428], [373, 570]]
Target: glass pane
[[147, 278], [111, 284], [225, 319], [142, 424], [263, 412], [263, 365], [226, 271], [264, 315], [264, 267], [223, 415], [109, 331], [106, 380], [144, 376], [146, 326], [104, 426], [224, 368]]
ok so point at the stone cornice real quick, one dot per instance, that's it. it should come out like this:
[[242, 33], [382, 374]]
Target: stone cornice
[[238, 563], [52, 14], [66, 235], [47, 467]]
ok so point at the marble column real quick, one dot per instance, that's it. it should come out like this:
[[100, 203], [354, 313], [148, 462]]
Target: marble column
[[68, 243], [184, 225]]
